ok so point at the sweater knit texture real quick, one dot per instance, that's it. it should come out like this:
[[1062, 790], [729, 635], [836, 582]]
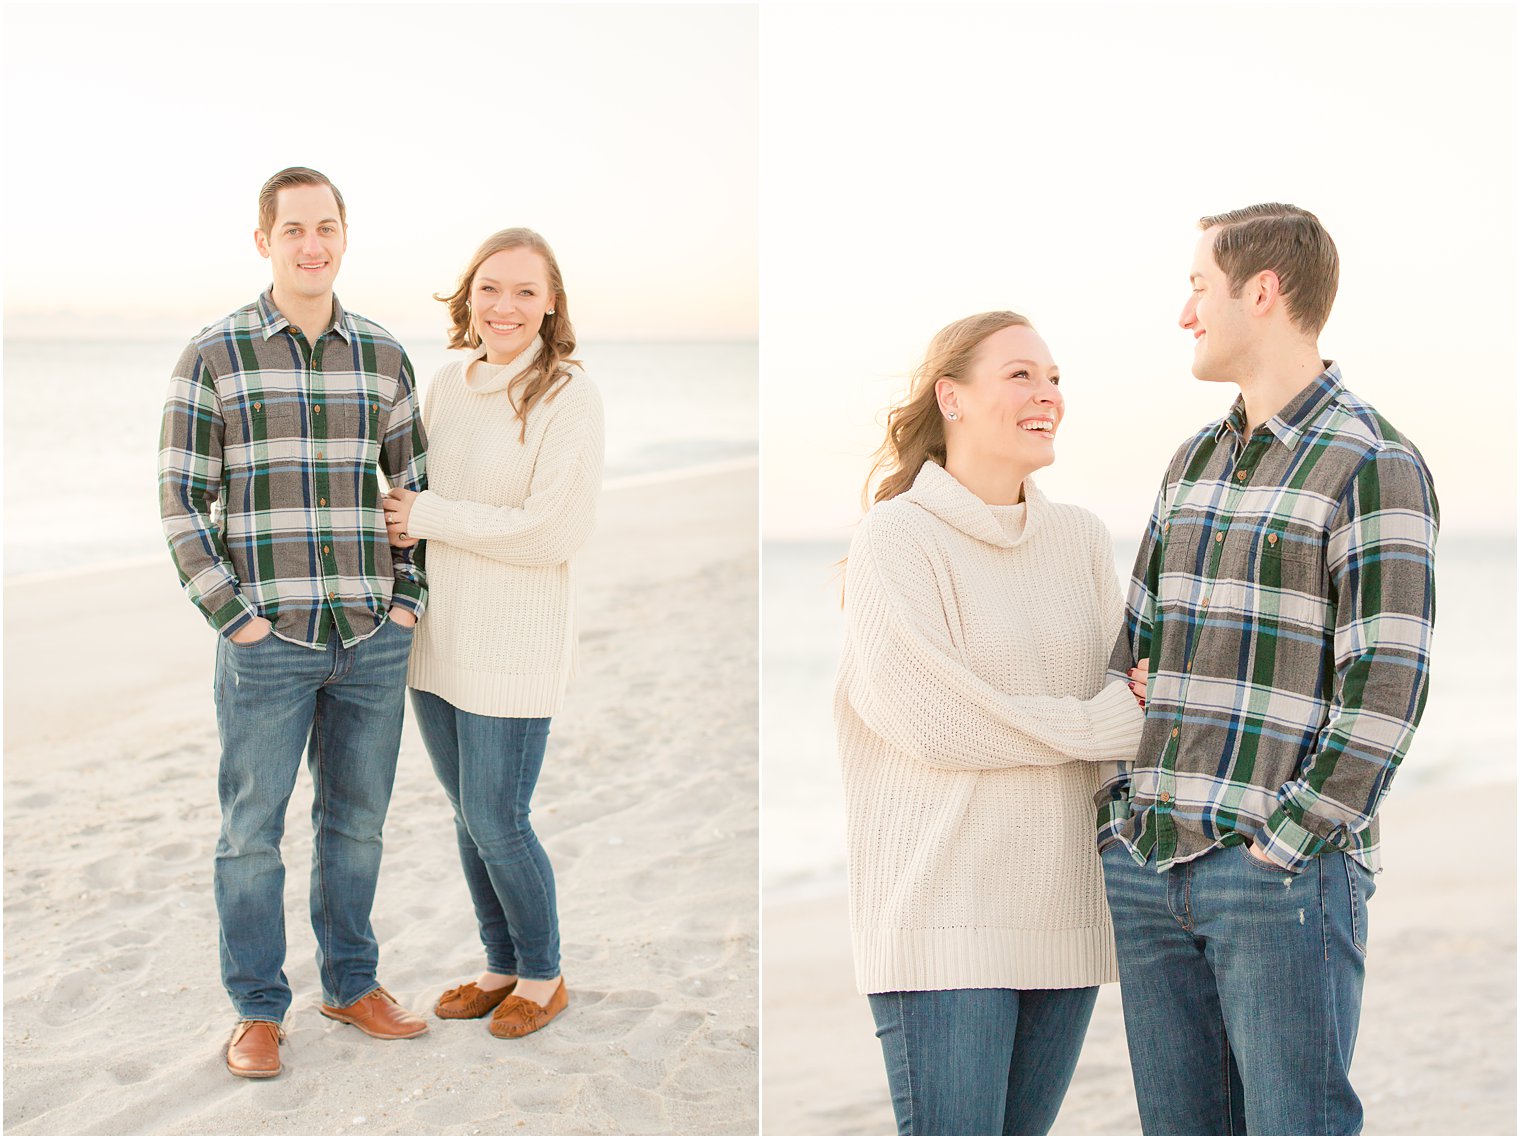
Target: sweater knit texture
[[502, 518], [974, 724]]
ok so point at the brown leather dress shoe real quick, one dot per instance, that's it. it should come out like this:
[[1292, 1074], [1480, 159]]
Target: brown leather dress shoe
[[379, 1015], [518, 1016], [254, 1050], [470, 1002]]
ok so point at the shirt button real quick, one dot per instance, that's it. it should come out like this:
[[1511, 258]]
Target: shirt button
[[1204, 603], [317, 407], [1174, 733], [257, 406], [1167, 529], [331, 596], [325, 550], [1166, 796], [321, 502], [1241, 474], [1219, 537], [320, 455], [1271, 539]]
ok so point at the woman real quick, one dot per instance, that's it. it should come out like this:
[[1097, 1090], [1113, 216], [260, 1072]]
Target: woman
[[514, 468], [980, 618]]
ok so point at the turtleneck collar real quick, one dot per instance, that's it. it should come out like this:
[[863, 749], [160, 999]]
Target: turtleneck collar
[[937, 491], [495, 378]]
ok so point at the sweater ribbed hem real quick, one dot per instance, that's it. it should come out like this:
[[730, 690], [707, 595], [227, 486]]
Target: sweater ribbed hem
[[914, 960], [488, 693]]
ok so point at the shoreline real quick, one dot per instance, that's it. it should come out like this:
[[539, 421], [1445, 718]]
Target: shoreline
[[612, 485]]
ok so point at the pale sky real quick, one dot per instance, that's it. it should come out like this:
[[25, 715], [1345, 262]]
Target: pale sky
[[137, 136], [924, 163]]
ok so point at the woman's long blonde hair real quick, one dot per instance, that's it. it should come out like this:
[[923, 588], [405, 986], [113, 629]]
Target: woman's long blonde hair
[[915, 427], [558, 334]]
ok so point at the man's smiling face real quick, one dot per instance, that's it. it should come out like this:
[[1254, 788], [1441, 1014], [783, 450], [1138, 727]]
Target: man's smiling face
[[1219, 322], [306, 243]]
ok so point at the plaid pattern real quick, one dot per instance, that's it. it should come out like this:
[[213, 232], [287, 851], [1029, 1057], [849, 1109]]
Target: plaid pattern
[[1285, 595], [266, 474]]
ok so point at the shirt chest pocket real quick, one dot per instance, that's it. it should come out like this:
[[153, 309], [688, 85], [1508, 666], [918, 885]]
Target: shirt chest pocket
[[1290, 559], [353, 416], [1186, 546], [269, 417]]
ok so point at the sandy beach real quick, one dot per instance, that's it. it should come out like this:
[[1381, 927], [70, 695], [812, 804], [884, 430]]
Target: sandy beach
[[1436, 1050], [115, 1019]]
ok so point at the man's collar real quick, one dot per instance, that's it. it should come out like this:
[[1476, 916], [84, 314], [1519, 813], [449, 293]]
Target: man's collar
[[272, 320], [1289, 424]]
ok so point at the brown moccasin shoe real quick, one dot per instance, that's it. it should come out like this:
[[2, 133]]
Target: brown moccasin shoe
[[470, 1002], [253, 1052], [378, 1015], [518, 1016]]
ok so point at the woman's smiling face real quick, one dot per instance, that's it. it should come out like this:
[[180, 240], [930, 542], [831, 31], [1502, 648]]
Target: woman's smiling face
[[1011, 404], [508, 299]]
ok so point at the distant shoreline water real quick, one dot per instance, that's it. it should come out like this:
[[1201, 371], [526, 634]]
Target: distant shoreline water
[[82, 418], [677, 474]]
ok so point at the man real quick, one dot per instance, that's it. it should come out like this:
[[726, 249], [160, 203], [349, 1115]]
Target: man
[[275, 421], [1284, 597]]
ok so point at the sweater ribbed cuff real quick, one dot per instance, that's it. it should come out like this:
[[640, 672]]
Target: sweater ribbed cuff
[[428, 516], [1117, 721]]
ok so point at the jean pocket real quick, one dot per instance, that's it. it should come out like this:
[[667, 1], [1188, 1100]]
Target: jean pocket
[[264, 640], [1360, 886], [1258, 864]]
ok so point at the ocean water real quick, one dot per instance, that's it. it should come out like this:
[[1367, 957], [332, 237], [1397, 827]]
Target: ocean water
[[82, 421], [1467, 735]]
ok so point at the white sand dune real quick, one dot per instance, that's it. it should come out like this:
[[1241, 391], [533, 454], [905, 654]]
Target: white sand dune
[[1436, 1050], [115, 1019]]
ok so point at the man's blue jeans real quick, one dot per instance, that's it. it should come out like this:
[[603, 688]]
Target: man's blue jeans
[[488, 766], [343, 707], [1242, 987], [980, 1061]]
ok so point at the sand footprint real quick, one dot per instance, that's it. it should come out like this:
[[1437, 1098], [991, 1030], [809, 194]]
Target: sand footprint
[[175, 852], [130, 1071], [71, 997]]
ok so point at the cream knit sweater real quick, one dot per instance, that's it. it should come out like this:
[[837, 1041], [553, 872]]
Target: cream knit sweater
[[502, 519], [973, 719]]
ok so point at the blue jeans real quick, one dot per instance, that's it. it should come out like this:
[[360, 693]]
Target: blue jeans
[[980, 1061], [1242, 988], [343, 707], [488, 766]]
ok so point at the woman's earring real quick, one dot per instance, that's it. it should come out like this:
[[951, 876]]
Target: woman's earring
[[951, 415], [550, 312]]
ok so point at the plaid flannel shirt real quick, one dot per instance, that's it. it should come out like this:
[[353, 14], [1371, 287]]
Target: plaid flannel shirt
[[1285, 595], [266, 474]]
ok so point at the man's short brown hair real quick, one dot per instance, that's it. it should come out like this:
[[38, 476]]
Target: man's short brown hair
[[293, 176], [1291, 243]]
